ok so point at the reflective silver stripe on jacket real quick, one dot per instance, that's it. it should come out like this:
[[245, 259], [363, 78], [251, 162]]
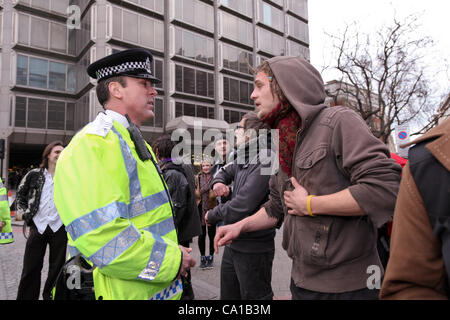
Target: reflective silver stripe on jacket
[[115, 247], [156, 259], [3, 197]]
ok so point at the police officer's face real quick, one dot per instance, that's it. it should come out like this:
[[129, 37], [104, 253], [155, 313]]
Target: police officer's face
[[138, 97]]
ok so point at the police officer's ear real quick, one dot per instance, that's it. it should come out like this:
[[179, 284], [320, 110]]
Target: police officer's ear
[[115, 89]]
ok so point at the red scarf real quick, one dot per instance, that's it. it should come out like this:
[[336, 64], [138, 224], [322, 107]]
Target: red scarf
[[286, 119]]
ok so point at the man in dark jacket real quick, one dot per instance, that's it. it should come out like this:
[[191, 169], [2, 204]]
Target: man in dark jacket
[[181, 184], [246, 270]]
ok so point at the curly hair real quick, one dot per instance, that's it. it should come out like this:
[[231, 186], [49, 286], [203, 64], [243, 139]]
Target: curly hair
[[274, 86]]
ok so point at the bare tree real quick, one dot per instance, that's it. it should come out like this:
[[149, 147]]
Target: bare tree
[[384, 76]]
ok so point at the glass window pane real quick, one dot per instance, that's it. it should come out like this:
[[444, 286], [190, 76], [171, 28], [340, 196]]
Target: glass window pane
[[21, 109], [189, 45], [211, 113], [234, 90], [226, 115], [57, 76], [38, 73], [117, 23], [189, 109], [56, 115], [159, 113], [211, 85], [235, 116], [188, 11], [22, 70], [59, 6], [159, 35], [36, 113], [158, 70], [226, 88], [24, 29], [179, 78], [201, 83], [178, 42], [178, 109], [43, 4], [188, 80], [130, 20], [202, 112], [70, 115], [71, 77], [39, 33], [147, 27], [243, 92]]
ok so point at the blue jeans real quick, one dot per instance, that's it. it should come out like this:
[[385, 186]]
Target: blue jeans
[[246, 276]]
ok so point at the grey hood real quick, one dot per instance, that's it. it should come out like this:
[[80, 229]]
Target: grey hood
[[302, 85]]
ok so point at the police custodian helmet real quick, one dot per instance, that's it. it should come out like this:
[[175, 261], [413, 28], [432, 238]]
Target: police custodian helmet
[[136, 63]]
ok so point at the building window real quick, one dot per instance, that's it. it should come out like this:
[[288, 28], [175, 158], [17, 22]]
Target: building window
[[153, 5], [238, 91], [42, 33], [194, 81], [57, 6], [299, 7], [45, 74], [270, 16], [297, 29], [195, 12], [194, 46], [157, 120], [270, 42], [138, 29], [236, 29], [242, 6], [193, 110], [44, 114], [295, 49], [236, 59], [233, 116], [79, 38]]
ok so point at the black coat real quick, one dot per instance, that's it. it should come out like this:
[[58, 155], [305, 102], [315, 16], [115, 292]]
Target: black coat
[[180, 181], [250, 192]]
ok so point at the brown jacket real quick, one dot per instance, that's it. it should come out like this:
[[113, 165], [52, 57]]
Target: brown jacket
[[416, 267], [335, 150]]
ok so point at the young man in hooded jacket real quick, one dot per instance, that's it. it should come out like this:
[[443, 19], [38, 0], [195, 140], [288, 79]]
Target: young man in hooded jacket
[[336, 185]]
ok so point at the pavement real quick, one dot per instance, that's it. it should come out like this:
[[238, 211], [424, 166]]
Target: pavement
[[206, 283]]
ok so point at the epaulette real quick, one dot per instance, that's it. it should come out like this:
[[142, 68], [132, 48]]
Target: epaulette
[[101, 125]]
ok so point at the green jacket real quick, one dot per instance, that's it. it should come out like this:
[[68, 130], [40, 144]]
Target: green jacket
[[6, 235]]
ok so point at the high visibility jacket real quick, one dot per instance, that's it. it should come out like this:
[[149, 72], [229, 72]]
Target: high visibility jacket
[[118, 214], [6, 235]]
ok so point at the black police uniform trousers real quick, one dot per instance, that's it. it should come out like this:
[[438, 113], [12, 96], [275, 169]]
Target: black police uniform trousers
[[30, 281]]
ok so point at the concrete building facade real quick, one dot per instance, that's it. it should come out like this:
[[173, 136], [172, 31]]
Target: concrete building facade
[[202, 51]]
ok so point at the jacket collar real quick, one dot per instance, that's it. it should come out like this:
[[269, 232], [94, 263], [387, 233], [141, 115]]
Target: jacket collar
[[440, 146]]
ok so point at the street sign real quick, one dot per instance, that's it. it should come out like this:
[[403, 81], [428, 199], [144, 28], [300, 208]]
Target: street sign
[[402, 135]]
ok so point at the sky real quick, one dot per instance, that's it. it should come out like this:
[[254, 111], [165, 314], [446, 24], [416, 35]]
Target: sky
[[330, 16]]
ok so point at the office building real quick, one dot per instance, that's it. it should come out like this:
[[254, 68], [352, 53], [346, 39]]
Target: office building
[[202, 51]]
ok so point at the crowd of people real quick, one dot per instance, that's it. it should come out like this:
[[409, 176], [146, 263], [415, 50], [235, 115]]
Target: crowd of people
[[136, 210]]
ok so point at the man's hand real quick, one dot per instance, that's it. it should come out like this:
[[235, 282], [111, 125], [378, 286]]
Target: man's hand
[[2, 224], [221, 190], [296, 199], [187, 261], [226, 234]]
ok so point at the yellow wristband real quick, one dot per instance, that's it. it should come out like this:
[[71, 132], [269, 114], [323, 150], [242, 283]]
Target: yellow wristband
[[308, 205]]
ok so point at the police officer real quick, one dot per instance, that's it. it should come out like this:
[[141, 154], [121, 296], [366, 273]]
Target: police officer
[[110, 192], [6, 235]]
